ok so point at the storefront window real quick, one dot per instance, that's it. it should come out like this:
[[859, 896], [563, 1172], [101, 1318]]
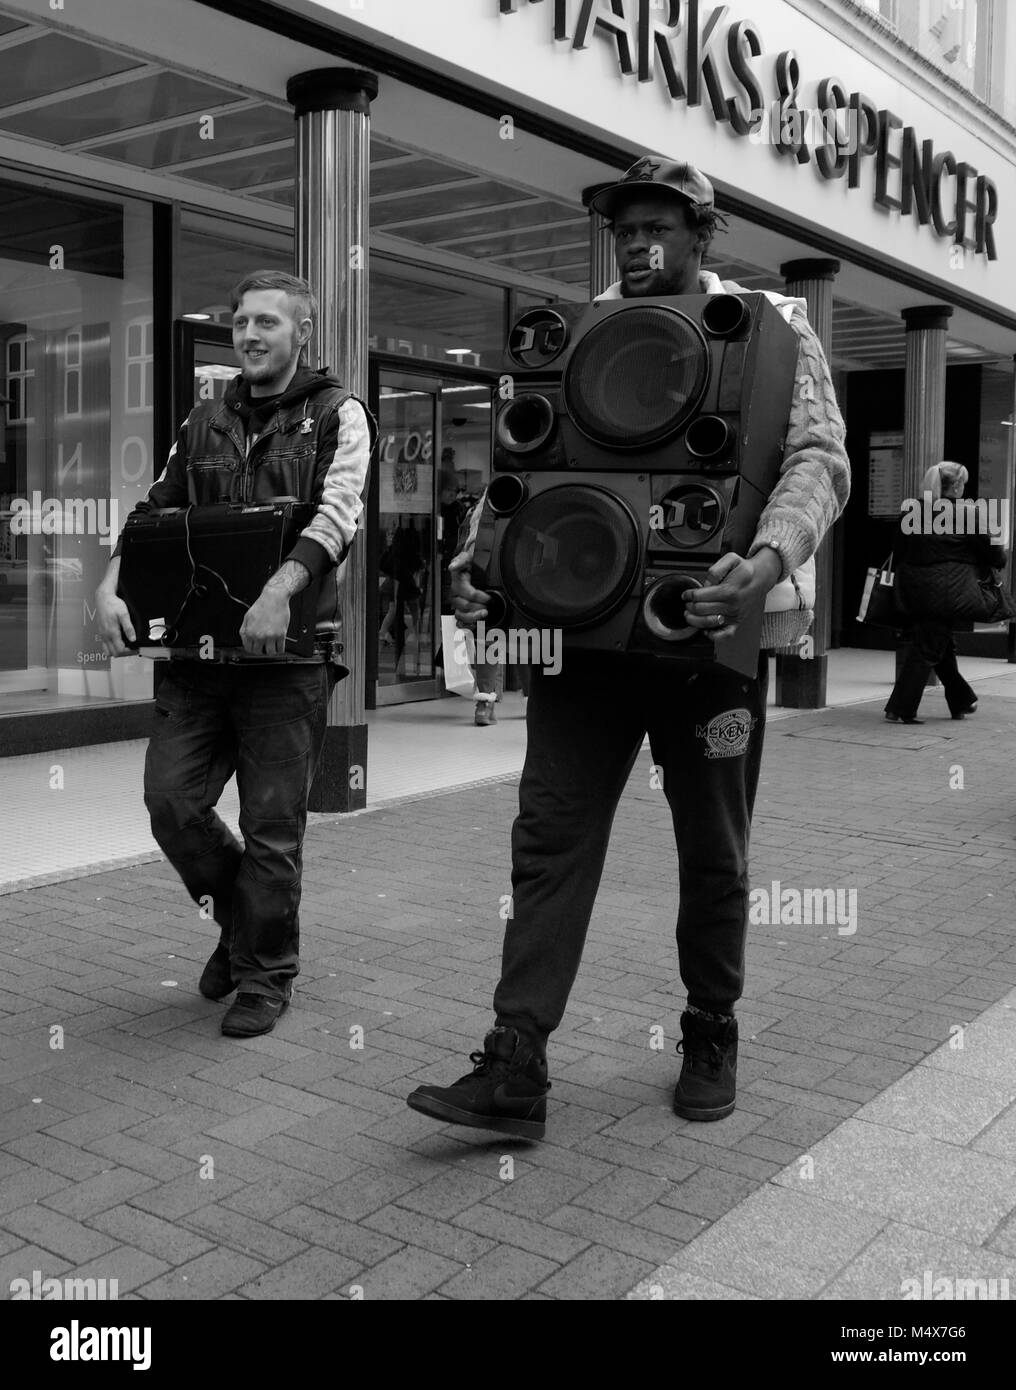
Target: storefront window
[[76, 437], [964, 38], [433, 315], [997, 438], [214, 254], [406, 580]]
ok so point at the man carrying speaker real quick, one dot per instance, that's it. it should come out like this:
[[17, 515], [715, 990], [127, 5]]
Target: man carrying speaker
[[282, 430], [705, 723]]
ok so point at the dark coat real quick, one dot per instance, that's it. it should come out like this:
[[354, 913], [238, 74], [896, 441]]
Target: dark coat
[[937, 575]]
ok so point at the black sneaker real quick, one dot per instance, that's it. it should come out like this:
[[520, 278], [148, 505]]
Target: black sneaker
[[250, 1015], [216, 981], [708, 1080], [506, 1090]]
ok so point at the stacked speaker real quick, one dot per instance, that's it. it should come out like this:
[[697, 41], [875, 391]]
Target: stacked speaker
[[635, 442]]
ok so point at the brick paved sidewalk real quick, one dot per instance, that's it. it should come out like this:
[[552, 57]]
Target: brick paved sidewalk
[[138, 1144]]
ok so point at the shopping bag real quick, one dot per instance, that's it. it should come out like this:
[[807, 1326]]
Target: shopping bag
[[458, 646], [983, 598], [998, 601], [880, 602]]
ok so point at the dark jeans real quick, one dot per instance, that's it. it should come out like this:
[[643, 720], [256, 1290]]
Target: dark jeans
[[931, 649], [266, 724], [586, 725]]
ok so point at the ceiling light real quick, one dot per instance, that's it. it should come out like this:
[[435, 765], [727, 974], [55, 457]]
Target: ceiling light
[[197, 317]]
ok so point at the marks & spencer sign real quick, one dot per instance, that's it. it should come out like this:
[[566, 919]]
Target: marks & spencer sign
[[702, 60]]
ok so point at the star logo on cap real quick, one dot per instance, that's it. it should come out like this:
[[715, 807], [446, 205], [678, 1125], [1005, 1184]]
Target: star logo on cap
[[646, 169]]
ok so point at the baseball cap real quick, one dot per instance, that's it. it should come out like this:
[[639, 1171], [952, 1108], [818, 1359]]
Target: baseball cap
[[649, 175]]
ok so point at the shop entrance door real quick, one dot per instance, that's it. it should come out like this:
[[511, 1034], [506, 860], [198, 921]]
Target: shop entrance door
[[433, 463], [408, 578], [204, 365]]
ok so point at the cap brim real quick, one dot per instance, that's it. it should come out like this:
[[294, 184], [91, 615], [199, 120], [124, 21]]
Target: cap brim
[[607, 201]]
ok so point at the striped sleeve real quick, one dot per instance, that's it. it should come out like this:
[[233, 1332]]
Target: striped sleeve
[[339, 485]]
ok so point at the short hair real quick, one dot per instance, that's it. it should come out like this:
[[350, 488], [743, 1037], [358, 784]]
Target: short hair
[[940, 473], [303, 297]]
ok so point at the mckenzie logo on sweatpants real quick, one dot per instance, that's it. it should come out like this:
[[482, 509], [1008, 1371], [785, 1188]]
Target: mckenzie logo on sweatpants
[[727, 735]]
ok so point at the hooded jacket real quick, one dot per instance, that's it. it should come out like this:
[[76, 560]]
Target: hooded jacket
[[315, 445], [814, 481]]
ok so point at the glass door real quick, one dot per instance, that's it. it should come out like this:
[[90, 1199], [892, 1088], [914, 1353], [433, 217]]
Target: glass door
[[408, 576], [205, 364]]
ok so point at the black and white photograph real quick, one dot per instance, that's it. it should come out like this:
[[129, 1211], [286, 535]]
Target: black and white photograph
[[507, 671]]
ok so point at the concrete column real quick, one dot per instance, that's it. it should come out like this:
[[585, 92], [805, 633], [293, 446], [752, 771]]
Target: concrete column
[[1010, 492], [602, 265], [801, 680], [332, 108], [924, 405]]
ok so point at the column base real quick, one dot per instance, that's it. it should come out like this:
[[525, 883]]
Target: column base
[[801, 681], [340, 783]]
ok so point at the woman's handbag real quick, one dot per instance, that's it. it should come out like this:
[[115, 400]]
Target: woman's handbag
[[880, 602], [985, 600]]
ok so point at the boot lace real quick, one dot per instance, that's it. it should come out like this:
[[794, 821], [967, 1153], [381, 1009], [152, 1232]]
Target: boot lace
[[483, 1061], [702, 1050]]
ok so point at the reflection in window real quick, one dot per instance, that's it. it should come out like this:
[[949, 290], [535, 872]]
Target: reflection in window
[[72, 372], [19, 380], [887, 9], [138, 360]]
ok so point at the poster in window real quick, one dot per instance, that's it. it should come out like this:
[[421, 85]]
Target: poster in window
[[885, 473]]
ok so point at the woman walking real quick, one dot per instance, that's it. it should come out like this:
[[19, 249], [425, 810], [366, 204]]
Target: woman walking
[[941, 573]]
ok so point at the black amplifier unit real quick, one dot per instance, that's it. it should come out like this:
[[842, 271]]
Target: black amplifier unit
[[638, 443], [189, 574]]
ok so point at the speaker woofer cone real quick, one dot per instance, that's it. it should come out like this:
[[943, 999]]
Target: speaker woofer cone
[[525, 423], [570, 556], [636, 377]]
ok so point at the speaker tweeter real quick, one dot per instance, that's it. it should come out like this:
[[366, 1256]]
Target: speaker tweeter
[[506, 494], [725, 315]]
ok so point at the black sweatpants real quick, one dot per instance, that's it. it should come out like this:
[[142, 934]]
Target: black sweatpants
[[585, 726]]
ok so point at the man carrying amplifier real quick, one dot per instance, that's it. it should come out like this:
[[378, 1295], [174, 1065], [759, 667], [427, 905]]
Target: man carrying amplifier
[[286, 445], [705, 716]]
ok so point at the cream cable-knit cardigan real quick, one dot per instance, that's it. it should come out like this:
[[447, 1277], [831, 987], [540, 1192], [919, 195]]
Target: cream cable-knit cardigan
[[814, 481]]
